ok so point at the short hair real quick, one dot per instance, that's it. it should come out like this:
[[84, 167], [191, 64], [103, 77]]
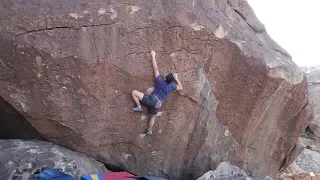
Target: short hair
[[169, 78]]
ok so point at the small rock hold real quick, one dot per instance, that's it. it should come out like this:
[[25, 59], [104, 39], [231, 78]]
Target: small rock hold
[[143, 118], [197, 26], [220, 32], [141, 136], [102, 11], [134, 8], [226, 133], [74, 15]]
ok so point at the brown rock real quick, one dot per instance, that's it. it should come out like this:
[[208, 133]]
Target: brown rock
[[69, 68]]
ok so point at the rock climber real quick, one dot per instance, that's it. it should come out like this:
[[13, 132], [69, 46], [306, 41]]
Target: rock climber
[[164, 86]]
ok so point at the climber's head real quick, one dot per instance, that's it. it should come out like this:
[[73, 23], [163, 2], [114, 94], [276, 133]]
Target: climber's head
[[169, 78]]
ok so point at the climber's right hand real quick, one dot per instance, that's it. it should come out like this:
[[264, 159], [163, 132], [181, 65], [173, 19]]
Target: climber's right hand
[[153, 54]]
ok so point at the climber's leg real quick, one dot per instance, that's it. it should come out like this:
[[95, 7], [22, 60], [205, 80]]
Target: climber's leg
[[137, 97], [151, 123], [153, 113]]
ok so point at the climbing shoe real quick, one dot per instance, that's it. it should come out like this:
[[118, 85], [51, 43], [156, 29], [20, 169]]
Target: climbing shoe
[[149, 132], [137, 109]]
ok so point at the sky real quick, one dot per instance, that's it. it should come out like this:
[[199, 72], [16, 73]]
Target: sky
[[295, 25]]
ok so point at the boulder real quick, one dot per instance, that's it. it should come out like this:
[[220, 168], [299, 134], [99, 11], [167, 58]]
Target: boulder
[[306, 166], [20, 159], [309, 161], [68, 68], [313, 76], [300, 176], [226, 171]]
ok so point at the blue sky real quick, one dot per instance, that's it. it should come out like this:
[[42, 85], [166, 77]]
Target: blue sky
[[295, 25]]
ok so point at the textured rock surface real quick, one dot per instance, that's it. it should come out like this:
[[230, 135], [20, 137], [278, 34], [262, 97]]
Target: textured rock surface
[[310, 144], [69, 66], [226, 171], [307, 164], [19, 159], [309, 161], [300, 176], [313, 76]]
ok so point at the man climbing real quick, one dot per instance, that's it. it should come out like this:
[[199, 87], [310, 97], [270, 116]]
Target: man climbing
[[164, 86]]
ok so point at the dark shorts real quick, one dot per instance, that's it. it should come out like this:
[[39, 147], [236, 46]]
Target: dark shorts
[[150, 101]]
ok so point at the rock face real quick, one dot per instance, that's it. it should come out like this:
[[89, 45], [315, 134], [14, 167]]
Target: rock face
[[313, 76], [69, 67], [19, 159]]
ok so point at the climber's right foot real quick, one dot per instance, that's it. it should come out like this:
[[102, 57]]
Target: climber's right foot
[[149, 132]]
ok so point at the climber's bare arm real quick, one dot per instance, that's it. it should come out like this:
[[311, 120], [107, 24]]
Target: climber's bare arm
[[154, 64], [179, 85]]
